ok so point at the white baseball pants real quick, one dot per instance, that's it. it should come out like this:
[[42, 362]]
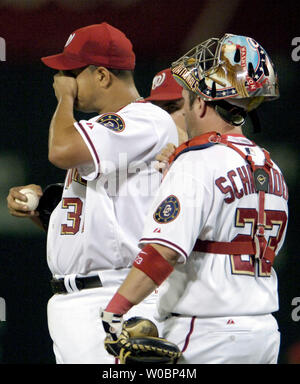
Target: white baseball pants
[[74, 321], [225, 340]]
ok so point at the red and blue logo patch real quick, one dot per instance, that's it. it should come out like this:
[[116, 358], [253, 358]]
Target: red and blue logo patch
[[168, 210], [112, 121]]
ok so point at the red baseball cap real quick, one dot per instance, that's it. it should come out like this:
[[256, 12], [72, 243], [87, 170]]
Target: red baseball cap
[[98, 44], [165, 87]]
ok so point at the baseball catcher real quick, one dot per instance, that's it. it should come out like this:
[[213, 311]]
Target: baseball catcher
[[212, 233], [136, 341]]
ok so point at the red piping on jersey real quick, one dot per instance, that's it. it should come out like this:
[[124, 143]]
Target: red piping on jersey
[[92, 146], [187, 339], [156, 240]]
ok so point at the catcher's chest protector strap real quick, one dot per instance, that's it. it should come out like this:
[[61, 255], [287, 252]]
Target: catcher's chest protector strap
[[199, 142], [261, 174]]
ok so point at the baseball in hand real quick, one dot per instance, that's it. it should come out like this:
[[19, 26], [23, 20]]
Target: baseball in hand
[[32, 199]]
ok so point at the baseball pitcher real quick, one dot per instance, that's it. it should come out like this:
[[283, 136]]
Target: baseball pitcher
[[110, 182]]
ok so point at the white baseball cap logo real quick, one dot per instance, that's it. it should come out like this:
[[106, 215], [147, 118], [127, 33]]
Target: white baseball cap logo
[[71, 37], [158, 80]]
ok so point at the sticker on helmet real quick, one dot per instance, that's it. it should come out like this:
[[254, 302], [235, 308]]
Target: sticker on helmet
[[235, 68], [112, 121], [168, 210]]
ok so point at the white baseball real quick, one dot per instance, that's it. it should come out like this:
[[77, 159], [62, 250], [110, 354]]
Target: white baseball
[[32, 199]]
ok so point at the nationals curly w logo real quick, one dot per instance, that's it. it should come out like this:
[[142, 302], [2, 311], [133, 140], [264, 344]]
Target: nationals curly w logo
[[158, 80], [71, 37]]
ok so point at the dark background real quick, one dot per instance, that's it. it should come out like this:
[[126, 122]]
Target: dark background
[[161, 31]]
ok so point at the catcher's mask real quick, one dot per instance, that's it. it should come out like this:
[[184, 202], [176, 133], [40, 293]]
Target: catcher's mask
[[233, 69]]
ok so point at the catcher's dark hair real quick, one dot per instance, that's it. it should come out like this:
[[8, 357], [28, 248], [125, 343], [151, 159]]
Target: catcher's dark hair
[[231, 114], [192, 97], [169, 106]]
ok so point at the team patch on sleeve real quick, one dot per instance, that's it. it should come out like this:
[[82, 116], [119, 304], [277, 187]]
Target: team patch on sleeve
[[168, 210], [112, 121]]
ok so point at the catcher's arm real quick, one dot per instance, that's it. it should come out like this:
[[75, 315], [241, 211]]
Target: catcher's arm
[[151, 267], [138, 284], [153, 264]]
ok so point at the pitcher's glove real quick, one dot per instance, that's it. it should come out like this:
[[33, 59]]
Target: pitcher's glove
[[137, 342], [52, 195]]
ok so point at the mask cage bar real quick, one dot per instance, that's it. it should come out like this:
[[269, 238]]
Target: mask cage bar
[[205, 57]]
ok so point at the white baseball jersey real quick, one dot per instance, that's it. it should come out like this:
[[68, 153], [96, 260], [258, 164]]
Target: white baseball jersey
[[100, 218], [208, 194]]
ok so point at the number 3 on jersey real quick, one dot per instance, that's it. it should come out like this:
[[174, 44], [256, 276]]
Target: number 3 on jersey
[[74, 210], [244, 265]]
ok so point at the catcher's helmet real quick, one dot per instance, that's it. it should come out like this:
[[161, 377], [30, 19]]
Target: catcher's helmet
[[235, 69]]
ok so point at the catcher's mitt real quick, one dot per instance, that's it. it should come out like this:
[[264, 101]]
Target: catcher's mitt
[[139, 344], [51, 197]]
